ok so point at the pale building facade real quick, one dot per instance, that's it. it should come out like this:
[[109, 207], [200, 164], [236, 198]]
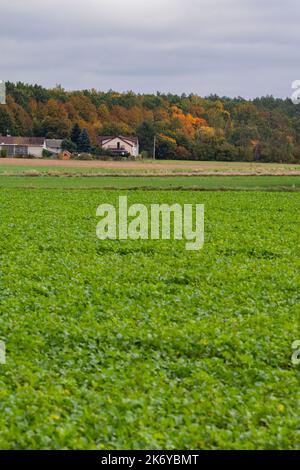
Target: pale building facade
[[120, 145], [29, 146]]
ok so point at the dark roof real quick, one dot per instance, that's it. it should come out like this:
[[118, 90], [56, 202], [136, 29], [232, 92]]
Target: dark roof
[[129, 139], [54, 142], [39, 141]]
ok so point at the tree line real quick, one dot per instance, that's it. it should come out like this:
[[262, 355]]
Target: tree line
[[186, 126]]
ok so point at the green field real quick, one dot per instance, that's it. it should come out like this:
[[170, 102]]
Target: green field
[[141, 344], [289, 183]]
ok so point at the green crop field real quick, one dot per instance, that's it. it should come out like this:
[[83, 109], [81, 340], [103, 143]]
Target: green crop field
[[279, 183], [142, 344]]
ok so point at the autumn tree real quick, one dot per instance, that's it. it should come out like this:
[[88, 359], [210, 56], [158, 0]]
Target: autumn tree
[[165, 147], [186, 126], [55, 123]]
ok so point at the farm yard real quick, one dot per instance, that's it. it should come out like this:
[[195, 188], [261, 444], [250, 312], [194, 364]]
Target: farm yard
[[141, 344]]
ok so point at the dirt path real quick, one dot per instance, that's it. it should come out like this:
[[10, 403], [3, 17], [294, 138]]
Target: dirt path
[[234, 168]]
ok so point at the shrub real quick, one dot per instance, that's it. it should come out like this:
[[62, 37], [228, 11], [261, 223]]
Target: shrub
[[84, 156], [46, 153]]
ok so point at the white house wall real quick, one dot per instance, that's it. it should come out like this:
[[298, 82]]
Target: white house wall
[[35, 151], [113, 144]]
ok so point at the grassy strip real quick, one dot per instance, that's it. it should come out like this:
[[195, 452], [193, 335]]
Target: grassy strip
[[290, 183]]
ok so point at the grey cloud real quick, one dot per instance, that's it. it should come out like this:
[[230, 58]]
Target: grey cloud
[[233, 47]]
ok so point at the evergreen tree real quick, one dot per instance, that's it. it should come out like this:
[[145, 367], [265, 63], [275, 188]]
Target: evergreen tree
[[7, 124], [146, 132], [84, 143], [69, 145], [75, 133]]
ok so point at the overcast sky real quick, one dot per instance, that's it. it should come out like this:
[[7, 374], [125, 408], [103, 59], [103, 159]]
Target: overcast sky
[[229, 47]]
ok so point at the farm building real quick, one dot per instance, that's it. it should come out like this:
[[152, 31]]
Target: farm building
[[29, 146], [120, 144], [54, 145]]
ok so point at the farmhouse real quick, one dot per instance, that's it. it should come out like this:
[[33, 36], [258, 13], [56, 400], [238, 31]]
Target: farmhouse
[[120, 145], [54, 145], [28, 146], [22, 146]]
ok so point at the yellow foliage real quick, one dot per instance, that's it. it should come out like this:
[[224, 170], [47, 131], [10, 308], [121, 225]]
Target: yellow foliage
[[166, 137]]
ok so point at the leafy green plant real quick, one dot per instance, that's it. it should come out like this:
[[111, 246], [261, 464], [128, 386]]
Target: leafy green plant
[[141, 344]]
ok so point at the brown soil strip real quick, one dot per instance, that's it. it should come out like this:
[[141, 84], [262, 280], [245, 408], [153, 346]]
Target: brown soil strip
[[152, 166]]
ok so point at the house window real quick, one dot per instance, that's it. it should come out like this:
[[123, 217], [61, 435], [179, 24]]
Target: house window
[[21, 150], [118, 145]]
